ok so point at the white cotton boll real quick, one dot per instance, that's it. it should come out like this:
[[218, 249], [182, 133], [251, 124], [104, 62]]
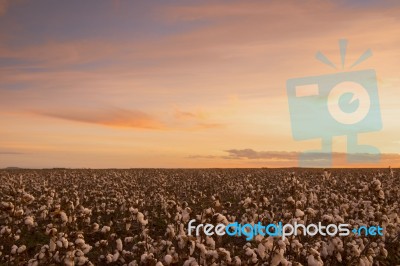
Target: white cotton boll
[[79, 241], [78, 253], [64, 217], [21, 249], [59, 244], [133, 263], [33, 262], [314, 252], [140, 218], [14, 249], [64, 242], [109, 258], [258, 238], [28, 198], [226, 254], [29, 221], [261, 250], [285, 262], [339, 257], [41, 255], [133, 210], [95, 227], [312, 261], [52, 245], [143, 257], [237, 261], [119, 244], [290, 200], [81, 260], [249, 252], [168, 259], [276, 259], [86, 248], [208, 211], [56, 256], [68, 261], [327, 217], [159, 264], [299, 213], [115, 256], [105, 229], [212, 253], [190, 262]]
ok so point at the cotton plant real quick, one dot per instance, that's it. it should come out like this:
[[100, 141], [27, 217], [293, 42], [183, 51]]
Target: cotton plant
[[140, 217]]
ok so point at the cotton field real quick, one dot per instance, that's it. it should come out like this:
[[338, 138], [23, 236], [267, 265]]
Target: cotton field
[[140, 216]]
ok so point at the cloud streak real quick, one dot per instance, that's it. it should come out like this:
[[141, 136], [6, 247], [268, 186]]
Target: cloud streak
[[251, 154], [290, 158], [10, 153], [114, 117]]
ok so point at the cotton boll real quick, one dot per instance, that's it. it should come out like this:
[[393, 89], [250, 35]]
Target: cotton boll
[[312, 261], [52, 244], [339, 257], [299, 213], [86, 248], [29, 221], [119, 244], [33, 262], [63, 217], [109, 258], [168, 259], [81, 260], [140, 218], [277, 258], [21, 249], [115, 256], [28, 198], [237, 261], [79, 241], [105, 229]]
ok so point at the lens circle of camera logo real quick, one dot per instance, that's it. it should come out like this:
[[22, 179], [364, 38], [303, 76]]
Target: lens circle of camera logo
[[359, 98]]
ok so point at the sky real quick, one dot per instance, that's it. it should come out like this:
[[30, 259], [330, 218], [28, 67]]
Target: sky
[[121, 84]]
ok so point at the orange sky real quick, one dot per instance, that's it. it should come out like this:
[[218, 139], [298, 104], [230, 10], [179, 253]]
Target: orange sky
[[180, 84]]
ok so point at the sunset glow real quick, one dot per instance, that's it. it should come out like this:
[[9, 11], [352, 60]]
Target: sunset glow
[[122, 84]]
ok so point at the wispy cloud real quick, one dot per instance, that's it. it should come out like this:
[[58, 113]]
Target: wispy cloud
[[293, 156], [128, 118], [187, 115], [290, 158], [268, 155], [10, 153], [115, 117]]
